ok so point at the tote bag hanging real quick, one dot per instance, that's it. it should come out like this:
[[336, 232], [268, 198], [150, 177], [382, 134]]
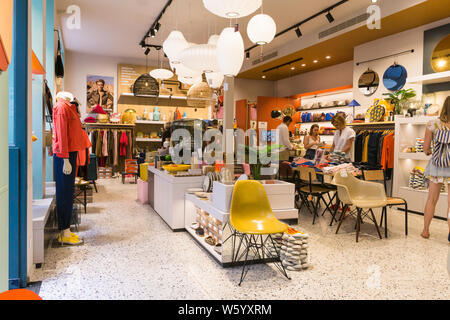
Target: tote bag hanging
[[441, 150], [59, 65]]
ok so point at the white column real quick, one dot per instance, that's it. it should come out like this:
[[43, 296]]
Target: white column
[[228, 121]]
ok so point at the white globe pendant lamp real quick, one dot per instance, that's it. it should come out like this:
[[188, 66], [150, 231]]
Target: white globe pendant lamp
[[230, 52], [214, 79], [190, 80], [261, 29], [173, 45], [161, 74], [213, 39], [200, 57], [232, 8], [183, 71]]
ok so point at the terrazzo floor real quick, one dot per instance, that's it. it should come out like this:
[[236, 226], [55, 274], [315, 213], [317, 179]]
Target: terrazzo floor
[[130, 253]]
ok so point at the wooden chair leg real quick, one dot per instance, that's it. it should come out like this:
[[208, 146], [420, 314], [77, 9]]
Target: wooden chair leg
[[406, 218], [376, 224], [343, 216], [358, 223]]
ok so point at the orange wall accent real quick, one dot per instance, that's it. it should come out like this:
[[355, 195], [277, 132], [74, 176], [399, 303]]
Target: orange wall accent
[[265, 105], [36, 65], [6, 24], [242, 114]]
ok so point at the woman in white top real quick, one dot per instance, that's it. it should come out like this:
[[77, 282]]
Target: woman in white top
[[344, 136], [312, 142], [438, 169]]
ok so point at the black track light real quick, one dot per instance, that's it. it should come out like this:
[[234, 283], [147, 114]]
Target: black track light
[[329, 17], [147, 51], [298, 32], [247, 54], [152, 33], [158, 25]]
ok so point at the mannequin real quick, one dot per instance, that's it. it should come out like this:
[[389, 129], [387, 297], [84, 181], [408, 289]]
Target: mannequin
[[68, 139]]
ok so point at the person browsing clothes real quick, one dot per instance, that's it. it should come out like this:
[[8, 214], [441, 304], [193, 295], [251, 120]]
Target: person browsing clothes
[[312, 142], [437, 134], [283, 131], [344, 136]]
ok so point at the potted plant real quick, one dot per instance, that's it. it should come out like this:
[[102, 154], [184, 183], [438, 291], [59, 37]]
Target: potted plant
[[254, 153], [400, 99]]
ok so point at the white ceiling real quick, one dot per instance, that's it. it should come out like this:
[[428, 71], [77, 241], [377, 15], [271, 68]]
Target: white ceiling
[[115, 27]]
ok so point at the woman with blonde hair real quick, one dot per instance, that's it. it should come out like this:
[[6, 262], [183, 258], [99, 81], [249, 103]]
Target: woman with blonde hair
[[438, 169], [344, 136]]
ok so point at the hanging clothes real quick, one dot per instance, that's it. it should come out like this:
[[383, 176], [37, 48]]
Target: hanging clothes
[[387, 158], [98, 146], [105, 144], [123, 144], [116, 153]]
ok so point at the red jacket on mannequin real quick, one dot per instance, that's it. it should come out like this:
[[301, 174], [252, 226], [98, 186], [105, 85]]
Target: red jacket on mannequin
[[68, 135]]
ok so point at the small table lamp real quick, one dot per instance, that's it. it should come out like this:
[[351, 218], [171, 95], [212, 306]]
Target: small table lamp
[[354, 104]]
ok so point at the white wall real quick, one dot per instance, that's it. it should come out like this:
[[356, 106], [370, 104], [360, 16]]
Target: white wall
[[252, 89], [79, 65], [331, 77], [413, 62]]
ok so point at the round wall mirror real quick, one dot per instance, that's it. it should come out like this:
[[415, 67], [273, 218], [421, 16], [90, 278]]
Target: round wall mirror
[[395, 77], [369, 82], [440, 59]]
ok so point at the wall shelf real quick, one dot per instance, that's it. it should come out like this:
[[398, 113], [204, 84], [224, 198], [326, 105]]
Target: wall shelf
[[150, 122], [148, 140], [386, 123], [439, 77], [414, 156]]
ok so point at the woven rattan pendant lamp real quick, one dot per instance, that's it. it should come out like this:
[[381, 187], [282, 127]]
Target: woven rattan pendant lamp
[[200, 95]]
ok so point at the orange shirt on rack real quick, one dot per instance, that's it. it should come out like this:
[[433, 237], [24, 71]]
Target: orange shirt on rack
[[387, 155]]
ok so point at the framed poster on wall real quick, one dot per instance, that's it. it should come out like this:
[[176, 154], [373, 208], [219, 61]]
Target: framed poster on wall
[[100, 91]]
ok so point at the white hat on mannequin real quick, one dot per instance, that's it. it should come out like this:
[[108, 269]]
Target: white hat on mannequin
[[65, 95]]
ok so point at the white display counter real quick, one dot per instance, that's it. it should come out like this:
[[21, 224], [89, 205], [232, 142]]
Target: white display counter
[[215, 223], [169, 194]]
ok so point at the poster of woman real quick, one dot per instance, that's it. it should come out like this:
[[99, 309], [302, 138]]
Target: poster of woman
[[100, 91]]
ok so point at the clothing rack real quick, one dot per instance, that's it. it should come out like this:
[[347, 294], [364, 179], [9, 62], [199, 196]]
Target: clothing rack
[[111, 127]]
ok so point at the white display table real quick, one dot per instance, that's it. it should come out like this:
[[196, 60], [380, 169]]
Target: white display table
[[216, 222], [169, 194]]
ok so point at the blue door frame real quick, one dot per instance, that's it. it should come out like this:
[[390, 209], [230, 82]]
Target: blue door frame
[[18, 148]]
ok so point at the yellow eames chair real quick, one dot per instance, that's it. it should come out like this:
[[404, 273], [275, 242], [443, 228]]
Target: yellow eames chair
[[252, 216]]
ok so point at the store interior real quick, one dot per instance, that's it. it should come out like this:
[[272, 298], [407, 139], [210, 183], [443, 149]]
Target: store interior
[[202, 149]]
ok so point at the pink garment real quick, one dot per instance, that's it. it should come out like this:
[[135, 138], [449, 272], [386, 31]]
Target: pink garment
[[116, 155], [105, 144]]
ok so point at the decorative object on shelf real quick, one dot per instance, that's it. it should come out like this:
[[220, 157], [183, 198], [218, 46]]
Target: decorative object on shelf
[[129, 116], [368, 82], [354, 104], [275, 114], [394, 78], [230, 51], [156, 114], [376, 112], [288, 110], [261, 29], [440, 59], [432, 110], [417, 179], [173, 45], [400, 99], [200, 57], [232, 8], [200, 95], [146, 85], [102, 118]]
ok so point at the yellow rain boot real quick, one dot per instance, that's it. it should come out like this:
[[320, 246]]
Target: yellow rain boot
[[70, 241]]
